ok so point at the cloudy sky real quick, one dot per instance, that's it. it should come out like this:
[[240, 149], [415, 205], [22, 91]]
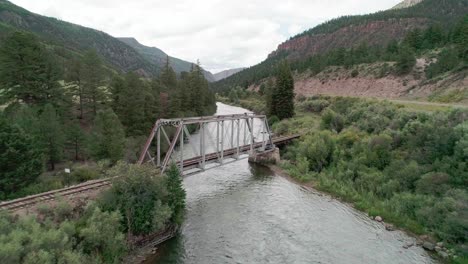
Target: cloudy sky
[[221, 34]]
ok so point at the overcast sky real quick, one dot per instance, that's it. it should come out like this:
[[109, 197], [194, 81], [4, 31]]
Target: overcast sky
[[222, 34]]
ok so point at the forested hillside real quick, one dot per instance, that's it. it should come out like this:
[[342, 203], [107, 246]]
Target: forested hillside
[[395, 38], [67, 40], [159, 57], [63, 115]]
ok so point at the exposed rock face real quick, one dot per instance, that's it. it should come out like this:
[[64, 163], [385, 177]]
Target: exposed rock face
[[407, 3], [373, 33]]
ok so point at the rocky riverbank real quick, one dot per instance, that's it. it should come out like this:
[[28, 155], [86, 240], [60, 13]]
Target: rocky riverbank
[[427, 242]]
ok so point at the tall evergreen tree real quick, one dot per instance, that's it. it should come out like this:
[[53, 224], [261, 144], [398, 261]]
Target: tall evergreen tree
[[28, 72], [168, 76], [283, 95], [176, 194], [406, 61], [135, 103], [107, 139], [21, 160], [52, 137], [461, 38], [76, 140], [74, 76], [269, 88], [92, 81]]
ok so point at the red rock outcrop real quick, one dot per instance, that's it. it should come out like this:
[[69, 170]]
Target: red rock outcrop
[[373, 33]]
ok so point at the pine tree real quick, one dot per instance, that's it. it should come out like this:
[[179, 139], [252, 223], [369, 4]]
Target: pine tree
[[52, 137], [176, 197], [74, 76], [28, 72], [107, 140], [414, 39], [406, 61], [269, 89], [283, 95], [21, 160], [76, 140], [135, 104], [461, 38], [168, 76], [199, 90], [92, 80]]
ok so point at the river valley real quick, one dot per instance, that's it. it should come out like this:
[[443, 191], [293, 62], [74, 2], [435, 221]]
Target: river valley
[[244, 213]]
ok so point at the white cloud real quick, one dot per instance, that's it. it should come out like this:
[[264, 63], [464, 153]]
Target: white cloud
[[222, 34]]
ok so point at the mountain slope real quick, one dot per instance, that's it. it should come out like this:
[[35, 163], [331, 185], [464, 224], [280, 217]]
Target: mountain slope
[[158, 57], [68, 40], [407, 3], [71, 38], [374, 31], [224, 74]]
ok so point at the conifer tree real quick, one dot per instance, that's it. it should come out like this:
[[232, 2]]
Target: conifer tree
[[52, 137], [107, 139], [76, 140], [92, 80], [283, 94], [176, 197], [21, 159], [406, 61], [269, 88], [168, 76], [28, 72], [74, 76]]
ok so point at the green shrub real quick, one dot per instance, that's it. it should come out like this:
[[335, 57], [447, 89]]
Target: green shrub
[[332, 121], [135, 194], [83, 174], [282, 127], [313, 106]]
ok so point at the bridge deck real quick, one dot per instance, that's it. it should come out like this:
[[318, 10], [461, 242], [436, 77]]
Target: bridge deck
[[214, 157]]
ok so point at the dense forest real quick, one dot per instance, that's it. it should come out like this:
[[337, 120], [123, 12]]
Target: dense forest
[[408, 167], [58, 117], [448, 40]]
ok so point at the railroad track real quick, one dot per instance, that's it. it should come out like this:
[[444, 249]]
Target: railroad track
[[28, 201], [51, 195]]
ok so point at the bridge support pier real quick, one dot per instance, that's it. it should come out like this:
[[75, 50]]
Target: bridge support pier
[[271, 156]]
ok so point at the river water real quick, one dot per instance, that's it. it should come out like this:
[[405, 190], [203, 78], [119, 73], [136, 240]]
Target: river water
[[243, 213]]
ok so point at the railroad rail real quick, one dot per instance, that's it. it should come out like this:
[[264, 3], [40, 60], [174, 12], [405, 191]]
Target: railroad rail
[[31, 200]]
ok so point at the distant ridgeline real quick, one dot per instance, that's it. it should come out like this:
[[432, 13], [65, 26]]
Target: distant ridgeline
[[351, 40], [68, 40]]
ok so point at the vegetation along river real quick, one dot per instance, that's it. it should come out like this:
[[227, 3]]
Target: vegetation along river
[[243, 213]]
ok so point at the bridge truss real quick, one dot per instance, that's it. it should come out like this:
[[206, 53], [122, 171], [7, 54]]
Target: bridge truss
[[196, 144]]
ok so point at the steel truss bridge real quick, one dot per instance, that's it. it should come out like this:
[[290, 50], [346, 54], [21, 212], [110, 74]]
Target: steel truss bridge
[[214, 141]]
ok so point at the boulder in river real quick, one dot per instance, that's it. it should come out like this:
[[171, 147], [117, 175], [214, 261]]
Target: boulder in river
[[378, 218], [428, 246], [389, 227], [443, 254], [408, 245]]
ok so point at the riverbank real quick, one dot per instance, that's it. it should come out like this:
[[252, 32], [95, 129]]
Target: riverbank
[[424, 241], [400, 165]]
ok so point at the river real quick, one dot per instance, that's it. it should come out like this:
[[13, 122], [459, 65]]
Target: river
[[243, 213]]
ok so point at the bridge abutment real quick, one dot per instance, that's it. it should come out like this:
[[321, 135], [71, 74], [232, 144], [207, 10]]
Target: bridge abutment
[[271, 156]]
